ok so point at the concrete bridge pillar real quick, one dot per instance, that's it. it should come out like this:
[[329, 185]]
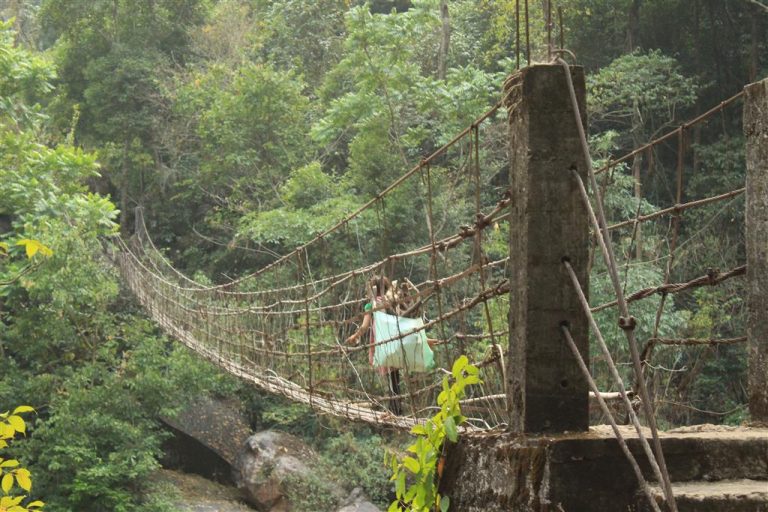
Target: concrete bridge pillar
[[756, 132], [546, 391]]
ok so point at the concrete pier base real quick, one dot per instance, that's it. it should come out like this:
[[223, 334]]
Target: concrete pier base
[[756, 133], [546, 391], [587, 472]]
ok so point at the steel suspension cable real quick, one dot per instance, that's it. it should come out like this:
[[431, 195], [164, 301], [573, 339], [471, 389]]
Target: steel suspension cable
[[607, 412], [628, 322]]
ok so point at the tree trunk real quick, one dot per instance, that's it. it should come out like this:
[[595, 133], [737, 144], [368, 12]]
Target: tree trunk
[[445, 41], [633, 26], [637, 163], [753, 61]]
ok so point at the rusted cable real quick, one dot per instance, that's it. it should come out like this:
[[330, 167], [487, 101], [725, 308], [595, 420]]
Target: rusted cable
[[655, 142], [677, 209], [711, 278], [612, 368]]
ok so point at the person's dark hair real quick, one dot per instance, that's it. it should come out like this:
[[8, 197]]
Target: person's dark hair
[[380, 285], [409, 301]]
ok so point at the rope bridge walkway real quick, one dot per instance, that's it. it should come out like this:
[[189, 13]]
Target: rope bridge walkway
[[286, 327]]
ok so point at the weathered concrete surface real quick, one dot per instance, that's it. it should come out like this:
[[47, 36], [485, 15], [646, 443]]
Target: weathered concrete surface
[[587, 472], [731, 495], [756, 132], [546, 390]]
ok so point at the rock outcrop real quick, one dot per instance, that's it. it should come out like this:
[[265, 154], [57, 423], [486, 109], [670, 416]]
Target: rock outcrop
[[219, 424], [357, 502], [269, 462]]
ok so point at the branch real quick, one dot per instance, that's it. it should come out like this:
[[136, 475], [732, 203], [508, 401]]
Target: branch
[[759, 4]]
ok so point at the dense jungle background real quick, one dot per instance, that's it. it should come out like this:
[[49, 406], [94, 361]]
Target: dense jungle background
[[245, 127]]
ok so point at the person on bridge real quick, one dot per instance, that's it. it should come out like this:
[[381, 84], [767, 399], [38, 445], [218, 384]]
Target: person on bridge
[[380, 287]]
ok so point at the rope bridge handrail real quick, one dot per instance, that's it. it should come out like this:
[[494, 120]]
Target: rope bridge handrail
[[711, 278]]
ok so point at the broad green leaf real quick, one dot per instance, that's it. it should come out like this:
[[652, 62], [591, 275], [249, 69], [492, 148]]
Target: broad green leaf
[[23, 478], [418, 430], [32, 247], [472, 379], [450, 429], [445, 502], [421, 498], [17, 422], [6, 431], [400, 485], [7, 483], [411, 464], [394, 507], [10, 501], [459, 365], [3, 247]]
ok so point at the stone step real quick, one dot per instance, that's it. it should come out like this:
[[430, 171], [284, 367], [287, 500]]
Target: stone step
[[710, 452], [720, 496]]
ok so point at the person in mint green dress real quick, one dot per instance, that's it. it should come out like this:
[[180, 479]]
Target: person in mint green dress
[[381, 288]]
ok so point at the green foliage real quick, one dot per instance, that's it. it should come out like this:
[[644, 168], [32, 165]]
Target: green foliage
[[109, 57], [24, 79], [635, 275], [259, 124], [357, 461], [425, 468], [67, 339], [250, 132], [14, 478], [304, 35], [101, 440], [641, 91], [311, 492]]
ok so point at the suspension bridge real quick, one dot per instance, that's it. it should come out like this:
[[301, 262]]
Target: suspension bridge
[[498, 272]]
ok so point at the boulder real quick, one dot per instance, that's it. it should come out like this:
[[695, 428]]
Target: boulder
[[217, 423], [268, 462], [357, 502]]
